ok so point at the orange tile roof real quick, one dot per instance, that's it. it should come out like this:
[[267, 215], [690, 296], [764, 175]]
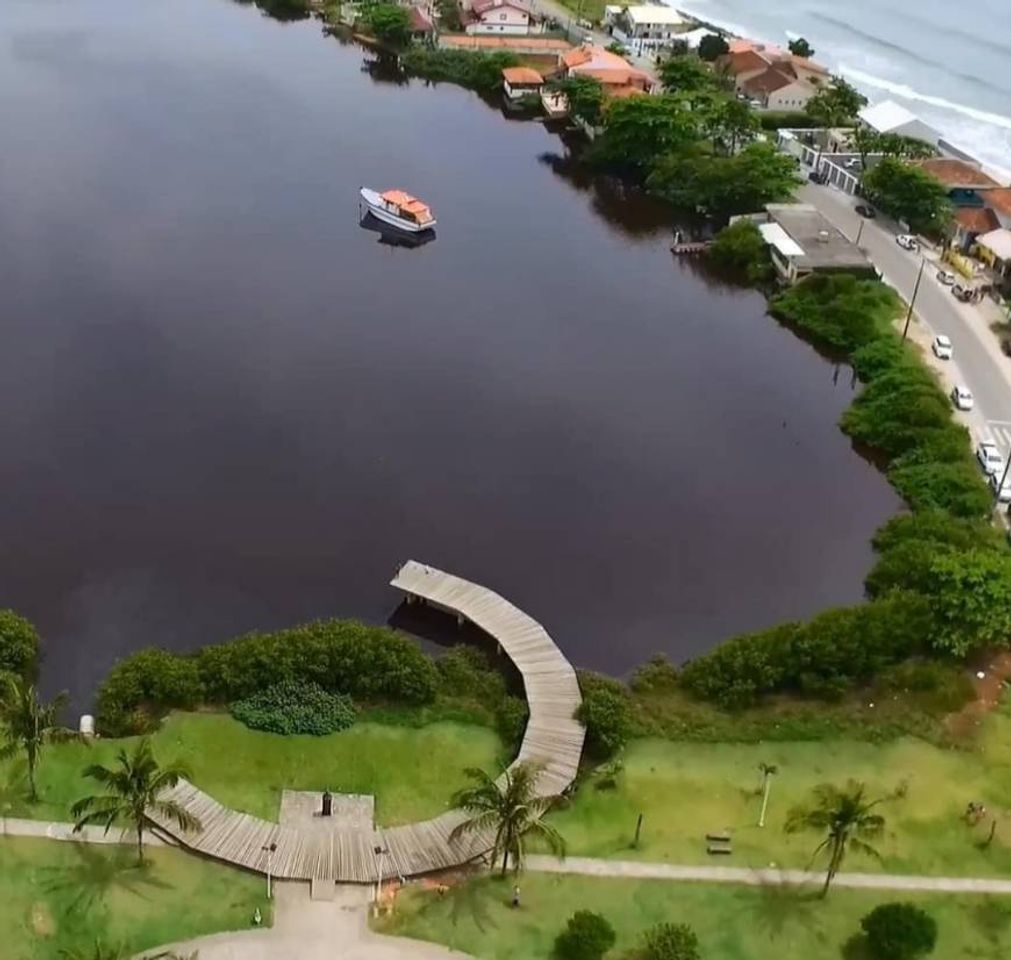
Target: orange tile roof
[[957, 173], [619, 93], [522, 75], [575, 57], [528, 44], [744, 61], [769, 82], [999, 200], [976, 219], [619, 78]]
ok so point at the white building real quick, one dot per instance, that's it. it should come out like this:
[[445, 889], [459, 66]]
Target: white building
[[890, 117], [497, 17], [644, 29]]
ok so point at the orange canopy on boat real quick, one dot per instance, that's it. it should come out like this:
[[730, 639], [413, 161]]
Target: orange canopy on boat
[[408, 204]]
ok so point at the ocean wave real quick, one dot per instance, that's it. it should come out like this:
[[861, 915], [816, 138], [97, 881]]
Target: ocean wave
[[908, 93]]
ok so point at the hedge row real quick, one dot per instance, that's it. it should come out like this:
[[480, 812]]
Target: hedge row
[[918, 603], [341, 656]]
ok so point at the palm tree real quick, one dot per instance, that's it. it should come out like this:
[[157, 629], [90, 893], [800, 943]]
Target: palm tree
[[29, 724], [768, 771], [846, 817], [511, 807], [135, 785]]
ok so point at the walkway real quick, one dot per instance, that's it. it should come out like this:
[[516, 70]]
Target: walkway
[[553, 738], [761, 877]]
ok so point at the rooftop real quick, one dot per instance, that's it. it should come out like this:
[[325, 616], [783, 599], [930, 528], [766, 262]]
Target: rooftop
[[957, 173], [999, 241], [652, 13], [976, 219], [481, 7], [522, 75], [999, 200], [769, 82], [822, 246]]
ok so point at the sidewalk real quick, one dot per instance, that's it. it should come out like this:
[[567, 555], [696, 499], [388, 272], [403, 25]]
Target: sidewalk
[[585, 866]]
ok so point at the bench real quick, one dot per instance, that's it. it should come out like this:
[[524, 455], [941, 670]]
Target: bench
[[718, 847]]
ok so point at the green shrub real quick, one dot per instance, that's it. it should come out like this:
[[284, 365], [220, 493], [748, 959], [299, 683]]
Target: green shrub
[[296, 706], [142, 687], [955, 487], [607, 716], [511, 719], [741, 249], [970, 594], [19, 645], [477, 71], [587, 936], [937, 527], [467, 672], [941, 687], [670, 941], [899, 931], [656, 675]]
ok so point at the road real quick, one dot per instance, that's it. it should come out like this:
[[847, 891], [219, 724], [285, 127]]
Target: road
[[977, 361]]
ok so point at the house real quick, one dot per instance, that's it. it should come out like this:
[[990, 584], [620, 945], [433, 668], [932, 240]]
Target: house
[[421, 23], [994, 249], [964, 181], [519, 82], [889, 117], [618, 77], [998, 202], [644, 28], [969, 223], [771, 78], [801, 242], [497, 16]]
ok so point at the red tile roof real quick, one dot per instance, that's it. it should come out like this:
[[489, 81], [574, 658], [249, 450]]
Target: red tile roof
[[743, 62], [976, 219], [769, 82], [957, 173], [522, 76], [999, 200]]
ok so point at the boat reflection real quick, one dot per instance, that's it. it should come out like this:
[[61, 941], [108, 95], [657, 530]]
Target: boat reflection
[[392, 237]]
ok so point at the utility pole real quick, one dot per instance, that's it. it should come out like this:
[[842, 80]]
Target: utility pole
[[860, 232], [269, 850], [912, 299]]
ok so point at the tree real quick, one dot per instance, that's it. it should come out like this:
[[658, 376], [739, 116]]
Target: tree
[[606, 715], [640, 130], [801, 48], [899, 931], [135, 785], [19, 644], [867, 141], [687, 74], [711, 46], [694, 179], [846, 818], [29, 725], [768, 771], [670, 941], [909, 193], [587, 936], [836, 104], [512, 809], [389, 22], [729, 123], [741, 248], [970, 594], [585, 96]]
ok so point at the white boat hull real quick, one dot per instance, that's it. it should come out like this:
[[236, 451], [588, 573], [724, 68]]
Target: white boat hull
[[378, 209]]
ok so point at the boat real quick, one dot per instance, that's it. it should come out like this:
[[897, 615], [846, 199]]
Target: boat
[[398, 209], [392, 236]]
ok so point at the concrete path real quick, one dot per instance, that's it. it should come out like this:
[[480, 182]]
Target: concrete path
[[758, 877], [49, 830], [306, 929]]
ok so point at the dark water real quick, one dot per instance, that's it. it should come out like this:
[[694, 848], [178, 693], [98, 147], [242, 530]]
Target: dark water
[[226, 406]]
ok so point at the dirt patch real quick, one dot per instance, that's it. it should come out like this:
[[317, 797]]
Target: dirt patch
[[996, 670], [43, 925]]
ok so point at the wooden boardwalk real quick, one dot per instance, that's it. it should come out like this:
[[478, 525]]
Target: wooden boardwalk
[[553, 739]]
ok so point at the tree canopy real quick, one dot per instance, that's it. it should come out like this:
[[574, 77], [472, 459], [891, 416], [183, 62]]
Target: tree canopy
[[19, 644], [910, 194], [899, 931], [712, 46], [801, 48], [388, 22], [640, 130], [686, 74], [971, 596], [585, 96], [836, 104]]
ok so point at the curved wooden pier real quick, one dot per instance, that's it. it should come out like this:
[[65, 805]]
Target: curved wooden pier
[[553, 739]]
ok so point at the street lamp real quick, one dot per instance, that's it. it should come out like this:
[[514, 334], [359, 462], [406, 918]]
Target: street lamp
[[912, 299], [269, 849], [379, 851]]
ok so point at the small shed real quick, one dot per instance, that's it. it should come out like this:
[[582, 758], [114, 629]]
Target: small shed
[[518, 82]]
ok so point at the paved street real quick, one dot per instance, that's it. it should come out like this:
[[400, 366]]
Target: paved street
[[978, 362]]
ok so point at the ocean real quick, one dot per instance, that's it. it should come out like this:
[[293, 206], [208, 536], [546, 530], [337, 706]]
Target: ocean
[[950, 64]]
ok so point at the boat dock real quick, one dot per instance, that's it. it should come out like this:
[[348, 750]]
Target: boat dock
[[690, 247], [553, 739]]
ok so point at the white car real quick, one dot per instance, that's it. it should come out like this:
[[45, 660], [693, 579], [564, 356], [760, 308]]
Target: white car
[[989, 457], [1004, 493], [907, 241], [942, 347], [945, 277], [962, 398]]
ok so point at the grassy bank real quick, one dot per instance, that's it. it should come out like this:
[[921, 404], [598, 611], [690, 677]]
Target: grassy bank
[[411, 771], [685, 790], [732, 923], [58, 897]]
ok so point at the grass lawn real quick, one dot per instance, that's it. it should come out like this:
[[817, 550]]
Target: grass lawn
[[732, 922], [411, 771], [685, 790], [60, 896], [592, 10]]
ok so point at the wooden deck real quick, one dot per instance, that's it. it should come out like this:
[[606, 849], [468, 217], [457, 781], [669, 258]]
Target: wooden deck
[[553, 738]]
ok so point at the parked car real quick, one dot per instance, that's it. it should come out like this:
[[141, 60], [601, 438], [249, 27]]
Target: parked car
[[1005, 345], [945, 277], [817, 176], [1002, 490], [963, 293], [962, 398], [852, 163], [942, 347], [907, 241], [989, 457], [865, 211]]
